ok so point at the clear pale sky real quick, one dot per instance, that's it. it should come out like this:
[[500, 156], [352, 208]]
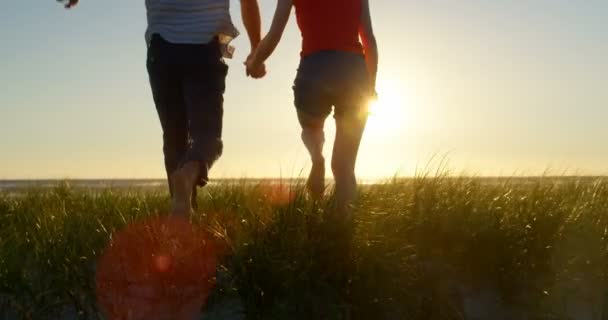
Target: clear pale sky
[[501, 87]]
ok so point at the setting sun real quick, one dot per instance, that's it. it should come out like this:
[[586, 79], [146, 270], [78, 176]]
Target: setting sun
[[388, 113]]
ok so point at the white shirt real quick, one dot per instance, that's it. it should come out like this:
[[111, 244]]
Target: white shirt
[[191, 21]]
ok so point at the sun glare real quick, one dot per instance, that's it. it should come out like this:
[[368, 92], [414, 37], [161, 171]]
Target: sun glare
[[387, 114]]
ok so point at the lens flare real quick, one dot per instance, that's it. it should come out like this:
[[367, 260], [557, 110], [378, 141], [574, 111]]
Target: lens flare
[[160, 268]]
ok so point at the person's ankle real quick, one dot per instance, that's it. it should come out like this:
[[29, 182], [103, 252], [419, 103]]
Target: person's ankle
[[191, 172], [182, 192], [181, 211]]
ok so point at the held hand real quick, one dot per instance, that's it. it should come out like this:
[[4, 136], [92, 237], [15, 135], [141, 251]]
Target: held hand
[[257, 72], [254, 69]]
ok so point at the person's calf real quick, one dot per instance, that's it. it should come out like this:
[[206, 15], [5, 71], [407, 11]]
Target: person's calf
[[313, 139]]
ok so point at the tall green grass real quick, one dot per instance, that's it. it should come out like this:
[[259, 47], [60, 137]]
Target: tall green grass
[[419, 247]]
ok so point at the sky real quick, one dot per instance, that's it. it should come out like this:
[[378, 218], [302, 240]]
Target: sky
[[512, 87]]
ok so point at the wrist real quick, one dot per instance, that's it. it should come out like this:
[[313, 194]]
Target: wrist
[[254, 44], [255, 60]]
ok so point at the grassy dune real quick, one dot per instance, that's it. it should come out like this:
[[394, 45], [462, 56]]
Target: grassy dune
[[423, 248]]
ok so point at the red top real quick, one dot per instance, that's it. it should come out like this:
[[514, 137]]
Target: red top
[[329, 25]]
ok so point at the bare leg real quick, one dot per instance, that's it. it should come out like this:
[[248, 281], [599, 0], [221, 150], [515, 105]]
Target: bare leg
[[313, 137], [184, 181], [349, 130]]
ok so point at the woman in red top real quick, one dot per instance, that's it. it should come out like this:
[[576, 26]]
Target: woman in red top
[[339, 60]]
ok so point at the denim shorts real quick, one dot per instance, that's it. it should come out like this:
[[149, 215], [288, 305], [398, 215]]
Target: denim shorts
[[332, 79]]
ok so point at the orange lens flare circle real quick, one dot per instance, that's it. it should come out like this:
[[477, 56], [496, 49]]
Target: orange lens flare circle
[[160, 268]]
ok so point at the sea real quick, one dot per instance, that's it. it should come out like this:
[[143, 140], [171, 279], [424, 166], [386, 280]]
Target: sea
[[20, 185]]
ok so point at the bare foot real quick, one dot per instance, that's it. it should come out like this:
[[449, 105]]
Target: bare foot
[[346, 194], [316, 179], [180, 204], [183, 181]]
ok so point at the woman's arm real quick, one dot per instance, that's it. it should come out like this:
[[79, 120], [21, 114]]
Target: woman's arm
[[370, 48]]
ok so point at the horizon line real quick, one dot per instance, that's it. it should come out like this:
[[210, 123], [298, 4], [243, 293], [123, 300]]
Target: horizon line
[[304, 178]]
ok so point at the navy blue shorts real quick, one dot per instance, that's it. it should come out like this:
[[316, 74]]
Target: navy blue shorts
[[332, 79]]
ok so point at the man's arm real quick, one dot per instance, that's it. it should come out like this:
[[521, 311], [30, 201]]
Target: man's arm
[[250, 12], [271, 40], [366, 32]]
